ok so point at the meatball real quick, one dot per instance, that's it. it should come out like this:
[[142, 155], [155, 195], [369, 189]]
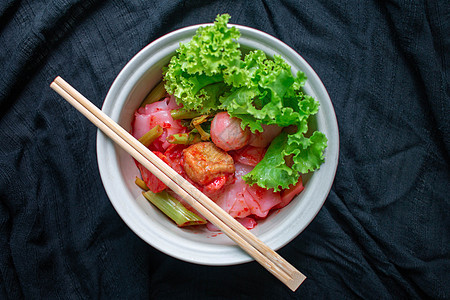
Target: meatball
[[264, 138], [227, 134], [204, 162]]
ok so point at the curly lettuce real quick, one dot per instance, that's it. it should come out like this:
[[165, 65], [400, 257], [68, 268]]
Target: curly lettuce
[[272, 171], [209, 73], [203, 61]]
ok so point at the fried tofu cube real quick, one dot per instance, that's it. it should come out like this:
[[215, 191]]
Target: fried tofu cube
[[204, 162]]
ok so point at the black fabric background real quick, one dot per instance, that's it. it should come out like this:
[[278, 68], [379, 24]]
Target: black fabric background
[[384, 231]]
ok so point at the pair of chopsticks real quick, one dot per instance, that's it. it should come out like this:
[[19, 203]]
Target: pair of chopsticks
[[264, 255]]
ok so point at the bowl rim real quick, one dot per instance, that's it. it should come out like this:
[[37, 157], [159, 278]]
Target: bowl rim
[[102, 142]]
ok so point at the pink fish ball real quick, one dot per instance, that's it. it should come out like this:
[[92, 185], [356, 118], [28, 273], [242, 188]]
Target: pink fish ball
[[227, 134]]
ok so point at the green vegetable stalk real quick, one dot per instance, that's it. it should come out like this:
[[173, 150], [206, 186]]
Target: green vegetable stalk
[[150, 136], [140, 183], [156, 94], [173, 208], [180, 114], [187, 138]]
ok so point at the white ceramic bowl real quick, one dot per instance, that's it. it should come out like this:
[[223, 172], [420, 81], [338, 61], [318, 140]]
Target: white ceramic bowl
[[195, 245]]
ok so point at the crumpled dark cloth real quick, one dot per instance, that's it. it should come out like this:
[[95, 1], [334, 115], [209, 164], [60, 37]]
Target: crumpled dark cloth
[[384, 231]]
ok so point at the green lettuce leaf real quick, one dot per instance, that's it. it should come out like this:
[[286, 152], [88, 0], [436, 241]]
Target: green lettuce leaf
[[201, 62], [208, 74], [307, 152], [268, 94], [272, 170], [306, 155]]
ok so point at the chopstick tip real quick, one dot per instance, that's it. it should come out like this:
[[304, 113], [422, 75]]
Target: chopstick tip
[[296, 281], [54, 81], [57, 78]]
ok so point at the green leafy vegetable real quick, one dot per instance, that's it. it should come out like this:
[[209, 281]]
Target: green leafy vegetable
[[209, 73], [273, 172], [201, 62]]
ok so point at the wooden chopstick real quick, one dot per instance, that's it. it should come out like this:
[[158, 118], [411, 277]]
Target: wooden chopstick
[[263, 254]]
